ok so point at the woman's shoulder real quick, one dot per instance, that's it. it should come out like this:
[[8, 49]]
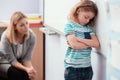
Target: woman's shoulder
[[32, 33], [4, 35]]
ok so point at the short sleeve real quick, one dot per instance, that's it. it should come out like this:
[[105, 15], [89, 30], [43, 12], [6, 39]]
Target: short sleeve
[[68, 29], [92, 31]]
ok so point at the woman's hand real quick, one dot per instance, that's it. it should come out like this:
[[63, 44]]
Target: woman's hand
[[31, 73], [30, 70], [27, 66]]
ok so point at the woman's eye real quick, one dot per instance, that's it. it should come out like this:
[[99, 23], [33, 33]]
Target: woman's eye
[[21, 25], [26, 22]]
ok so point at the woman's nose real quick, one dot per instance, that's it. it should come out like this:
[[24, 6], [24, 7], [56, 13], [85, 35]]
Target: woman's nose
[[26, 26]]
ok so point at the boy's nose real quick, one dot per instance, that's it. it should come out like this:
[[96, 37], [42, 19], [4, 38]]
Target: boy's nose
[[88, 20]]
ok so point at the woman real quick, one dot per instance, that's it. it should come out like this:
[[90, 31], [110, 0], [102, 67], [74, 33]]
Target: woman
[[16, 48]]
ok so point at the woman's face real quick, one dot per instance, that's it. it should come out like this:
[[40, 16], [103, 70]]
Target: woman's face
[[84, 17], [22, 26]]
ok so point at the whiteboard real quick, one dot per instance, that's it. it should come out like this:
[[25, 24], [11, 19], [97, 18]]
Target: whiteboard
[[56, 12]]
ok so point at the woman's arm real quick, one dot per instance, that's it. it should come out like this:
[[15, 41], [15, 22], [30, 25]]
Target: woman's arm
[[93, 42], [31, 71], [19, 66], [27, 66], [30, 48], [28, 57], [74, 43]]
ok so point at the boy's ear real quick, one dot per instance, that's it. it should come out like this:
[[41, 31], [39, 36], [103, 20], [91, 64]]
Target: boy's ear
[[78, 11]]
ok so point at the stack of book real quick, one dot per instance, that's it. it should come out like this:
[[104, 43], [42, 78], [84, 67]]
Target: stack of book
[[35, 20]]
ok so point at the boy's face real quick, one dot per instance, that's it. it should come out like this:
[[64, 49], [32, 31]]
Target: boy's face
[[84, 17]]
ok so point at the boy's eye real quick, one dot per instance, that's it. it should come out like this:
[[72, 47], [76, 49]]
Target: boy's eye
[[86, 17]]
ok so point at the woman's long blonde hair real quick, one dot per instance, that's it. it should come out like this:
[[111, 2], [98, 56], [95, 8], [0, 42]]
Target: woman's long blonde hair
[[11, 32], [84, 5]]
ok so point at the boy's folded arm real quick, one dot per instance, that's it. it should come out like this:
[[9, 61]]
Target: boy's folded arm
[[75, 44], [93, 42]]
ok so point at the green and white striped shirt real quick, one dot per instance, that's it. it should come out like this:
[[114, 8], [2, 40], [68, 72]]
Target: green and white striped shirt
[[78, 58]]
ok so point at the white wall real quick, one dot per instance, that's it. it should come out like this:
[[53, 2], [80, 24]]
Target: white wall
[[99, 66], [102, 30], [54, 59], [56, 12], [26, 6], [102, 26], [41, 7]]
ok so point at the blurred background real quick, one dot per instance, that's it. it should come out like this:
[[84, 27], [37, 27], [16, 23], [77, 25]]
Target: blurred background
[[47, 19]]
